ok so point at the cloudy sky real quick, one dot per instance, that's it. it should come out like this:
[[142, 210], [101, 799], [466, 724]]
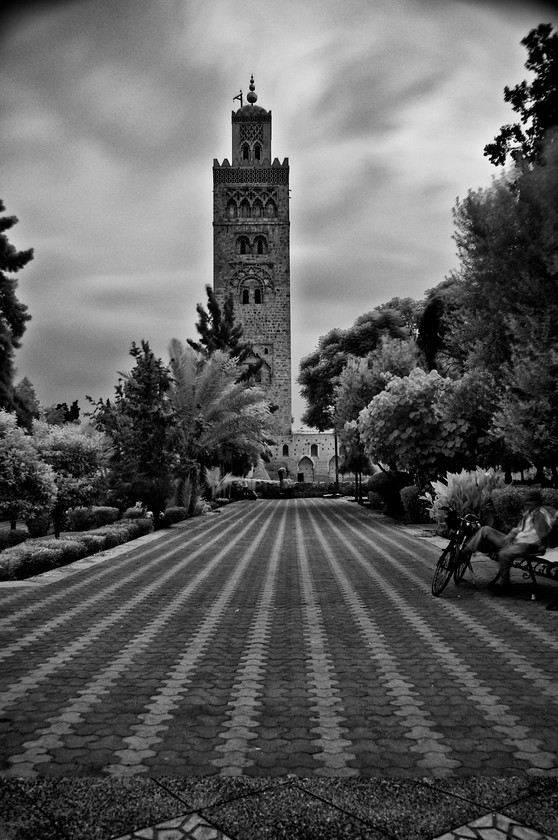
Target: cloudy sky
[[113, 111]]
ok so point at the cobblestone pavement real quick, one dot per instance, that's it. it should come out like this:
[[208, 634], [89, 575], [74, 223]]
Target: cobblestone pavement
[[291, 639]]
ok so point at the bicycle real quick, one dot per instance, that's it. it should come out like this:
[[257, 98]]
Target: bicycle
[[453, 559]]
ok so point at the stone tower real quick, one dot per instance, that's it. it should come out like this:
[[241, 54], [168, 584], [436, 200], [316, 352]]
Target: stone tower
[[251, 256]]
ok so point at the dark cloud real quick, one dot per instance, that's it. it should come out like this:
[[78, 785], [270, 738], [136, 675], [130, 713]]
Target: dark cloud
[[112, 113]]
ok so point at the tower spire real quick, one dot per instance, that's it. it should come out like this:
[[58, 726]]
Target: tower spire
[[252, 96]]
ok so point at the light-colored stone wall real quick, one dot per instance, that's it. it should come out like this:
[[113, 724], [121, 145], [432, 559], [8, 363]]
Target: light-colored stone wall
[[310, 454]]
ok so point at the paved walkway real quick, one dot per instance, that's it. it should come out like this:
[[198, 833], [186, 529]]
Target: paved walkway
[[276, 638]]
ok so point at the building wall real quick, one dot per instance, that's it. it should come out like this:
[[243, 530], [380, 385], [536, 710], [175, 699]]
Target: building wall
[[310, 454]]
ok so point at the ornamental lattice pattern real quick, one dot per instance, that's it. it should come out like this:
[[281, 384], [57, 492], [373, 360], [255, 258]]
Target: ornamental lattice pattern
[[250, 133], [251, 175], [252, 194]]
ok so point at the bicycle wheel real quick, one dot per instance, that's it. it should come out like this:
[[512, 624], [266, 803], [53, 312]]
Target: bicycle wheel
[[462, 562], [443, 570]]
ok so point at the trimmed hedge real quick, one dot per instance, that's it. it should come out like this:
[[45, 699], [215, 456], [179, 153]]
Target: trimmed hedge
[[413, 505], [173, 515], [10, 537], [84, 518], [36, 556]]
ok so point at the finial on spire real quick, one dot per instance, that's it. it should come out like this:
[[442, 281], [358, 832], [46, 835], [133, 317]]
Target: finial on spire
[[252, 96]]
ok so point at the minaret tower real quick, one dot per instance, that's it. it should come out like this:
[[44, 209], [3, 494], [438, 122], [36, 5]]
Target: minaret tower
[[251, 247]]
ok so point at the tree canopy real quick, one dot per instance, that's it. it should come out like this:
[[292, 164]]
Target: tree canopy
[[319, 371], [13, 313], [536, 103]]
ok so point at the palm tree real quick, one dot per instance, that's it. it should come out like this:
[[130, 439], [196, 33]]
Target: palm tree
[[218, 418]]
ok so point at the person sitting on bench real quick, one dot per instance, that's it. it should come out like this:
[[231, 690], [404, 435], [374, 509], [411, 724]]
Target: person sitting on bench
[[526, 538]]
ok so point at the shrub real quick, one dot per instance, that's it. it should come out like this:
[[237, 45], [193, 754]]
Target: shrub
[[114, 536], [136, 527], [68, 550], [134, 513], [92, 542], [84, 518], [36, 556], [508, 503], [38, 525], [388, 486], [375, 501], [550, 497], [413, 505], [12, 537], [28, 559], [468, 491], [173, 515]]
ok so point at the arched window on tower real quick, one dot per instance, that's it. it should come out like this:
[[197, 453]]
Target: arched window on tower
[[243, 245], [245, 296], [257, 295], [245, 208], [314, 450], [257, 151], [257, 209], [246, 152], [261, 245], [285, 450]]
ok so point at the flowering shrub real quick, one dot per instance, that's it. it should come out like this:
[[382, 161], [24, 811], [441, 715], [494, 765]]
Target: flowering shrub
[[466, 492]]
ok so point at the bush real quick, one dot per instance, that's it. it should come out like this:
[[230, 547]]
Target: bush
[[134, 513], [36, 556], [508, 503], [375, 501], [84, 518], [93, 542], [138, 527], [550, 497], [38, 525], [68, 550], [469, 491], [389, 486], [10, 538], [28, 559], [413, 505], [173, 515]]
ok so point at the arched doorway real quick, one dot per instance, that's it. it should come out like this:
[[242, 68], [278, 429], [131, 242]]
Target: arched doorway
[[306, 470]]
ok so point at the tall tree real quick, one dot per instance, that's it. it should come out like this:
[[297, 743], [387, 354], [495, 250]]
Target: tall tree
[[220, 420], [141, 426], [219, 330], [77, 459], [13, 313], [319, 372], [434, 325], [27, 484], [536, 103], [27, 406], [507, 276]]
